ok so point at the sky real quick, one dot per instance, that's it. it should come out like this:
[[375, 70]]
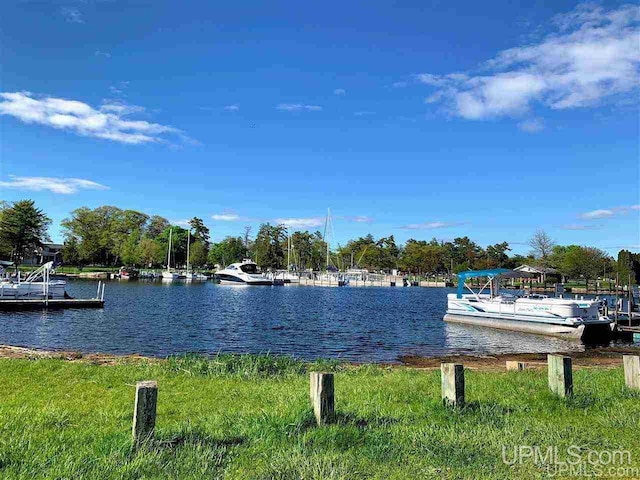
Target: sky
[[412, 118]]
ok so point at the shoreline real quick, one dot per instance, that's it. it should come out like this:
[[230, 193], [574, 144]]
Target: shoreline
[[606, 357]]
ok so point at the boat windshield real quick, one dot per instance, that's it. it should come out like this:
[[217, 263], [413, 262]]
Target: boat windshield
[[250, 268]]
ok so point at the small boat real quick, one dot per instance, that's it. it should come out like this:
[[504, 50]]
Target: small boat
[[242, 273], [37, 285], [560, 317], [128, 273], [168, 275]]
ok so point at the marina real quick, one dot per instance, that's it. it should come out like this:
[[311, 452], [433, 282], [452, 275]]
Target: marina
[[355, 324]]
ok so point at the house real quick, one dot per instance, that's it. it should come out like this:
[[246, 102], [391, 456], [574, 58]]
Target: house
[[539, 272], [48, 252]]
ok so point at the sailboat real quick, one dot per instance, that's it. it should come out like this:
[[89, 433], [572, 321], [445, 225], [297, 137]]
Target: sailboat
[[168, 274]]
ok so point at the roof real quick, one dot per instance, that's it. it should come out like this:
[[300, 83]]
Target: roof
[[5, 263]]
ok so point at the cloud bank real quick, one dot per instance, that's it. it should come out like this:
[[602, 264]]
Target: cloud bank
[[64, 186], [591, 57], [107, 122]]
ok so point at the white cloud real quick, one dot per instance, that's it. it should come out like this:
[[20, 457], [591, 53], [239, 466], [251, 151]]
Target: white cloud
[[53, 184], [592, 57], [532, 125], [107, 122], [363, 113], [72, 15], [608, 212], [598, 214], [298, 107], [232, 108], [430, 225], [339, 91], [180, 223], [99, 53], [301, 222], [225, 217]]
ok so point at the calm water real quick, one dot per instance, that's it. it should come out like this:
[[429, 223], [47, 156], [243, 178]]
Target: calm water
[[361, 324]]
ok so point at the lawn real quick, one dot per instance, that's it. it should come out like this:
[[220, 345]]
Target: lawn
[[249, 417]]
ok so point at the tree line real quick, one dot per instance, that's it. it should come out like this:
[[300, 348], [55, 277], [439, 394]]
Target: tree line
[[110, 236]]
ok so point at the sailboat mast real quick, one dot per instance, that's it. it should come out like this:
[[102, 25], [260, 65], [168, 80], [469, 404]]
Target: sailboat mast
[[188, 242], [169, 251], [288, 251]]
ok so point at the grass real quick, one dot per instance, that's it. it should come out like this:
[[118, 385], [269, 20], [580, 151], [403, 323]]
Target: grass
[[249, 417]]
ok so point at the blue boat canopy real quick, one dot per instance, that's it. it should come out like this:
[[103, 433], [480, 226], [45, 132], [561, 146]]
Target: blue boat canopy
[[489, 273]]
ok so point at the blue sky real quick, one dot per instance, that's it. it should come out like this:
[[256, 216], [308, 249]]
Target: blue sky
[[408, 118]]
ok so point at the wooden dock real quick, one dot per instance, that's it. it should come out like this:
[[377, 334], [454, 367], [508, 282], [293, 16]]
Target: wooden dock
[[31, 304]]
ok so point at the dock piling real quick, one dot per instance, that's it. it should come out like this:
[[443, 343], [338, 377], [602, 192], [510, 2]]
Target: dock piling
[[321, 390], [452, 377], [632, 371], [560, 375], [144, 413]]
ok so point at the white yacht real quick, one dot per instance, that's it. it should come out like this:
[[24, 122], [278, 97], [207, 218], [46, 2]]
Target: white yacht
[[37, 285], [530, 314], [242, 273]]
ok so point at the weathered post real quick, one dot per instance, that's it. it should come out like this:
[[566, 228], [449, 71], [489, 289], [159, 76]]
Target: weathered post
[[560, 375], [514, 365], [631, 371], [322, 397], [452, 376], [144, 413]]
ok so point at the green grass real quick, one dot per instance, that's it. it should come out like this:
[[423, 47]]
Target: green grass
[[249, 417]]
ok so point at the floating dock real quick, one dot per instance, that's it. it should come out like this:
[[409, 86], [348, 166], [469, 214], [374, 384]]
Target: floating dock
[[31, 304]]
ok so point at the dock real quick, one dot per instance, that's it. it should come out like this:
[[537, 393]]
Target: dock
[[31, 304]]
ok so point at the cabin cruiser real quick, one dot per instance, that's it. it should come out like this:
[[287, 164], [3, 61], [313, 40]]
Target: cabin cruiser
[[37, 285], [242, 273], [539, 314]]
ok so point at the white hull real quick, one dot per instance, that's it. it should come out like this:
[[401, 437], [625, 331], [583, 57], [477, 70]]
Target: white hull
[[170, 276], [35, 290], [242, 273], [544, 316]]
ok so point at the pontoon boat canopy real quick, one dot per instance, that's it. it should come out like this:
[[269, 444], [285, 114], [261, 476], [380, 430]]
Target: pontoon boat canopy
[[490, 273]]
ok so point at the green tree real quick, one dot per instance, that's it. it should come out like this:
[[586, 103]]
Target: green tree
[[228, 251], [200, 230], [70, 253], [582, 262], [149, 253], [269, 246], [198, 254], [497, 255], [23, 228], [628, 264], [156, 226]]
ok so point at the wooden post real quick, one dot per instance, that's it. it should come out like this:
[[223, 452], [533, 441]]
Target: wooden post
[[322, 397], [452, 376], [560, 375], [515, 365], [631, 371], [144, 413]]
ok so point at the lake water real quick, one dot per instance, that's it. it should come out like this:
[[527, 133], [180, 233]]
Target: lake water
[[360, 324]]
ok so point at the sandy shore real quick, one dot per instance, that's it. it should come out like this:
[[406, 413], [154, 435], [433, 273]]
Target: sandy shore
[[607, 357]]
